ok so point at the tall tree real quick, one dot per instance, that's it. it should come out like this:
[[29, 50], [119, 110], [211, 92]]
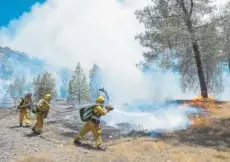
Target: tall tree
[[176, 28], [225, 33], [226, 48], [65, 75], [16, 88], [6, 68], [43, 84], [78, 87], [95, 76], [85, 90]]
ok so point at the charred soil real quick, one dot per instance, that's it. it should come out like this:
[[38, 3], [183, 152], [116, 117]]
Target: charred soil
[[208, 142]]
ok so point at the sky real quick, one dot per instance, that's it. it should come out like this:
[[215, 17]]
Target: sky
[[13, 9], [89, 31], [64, 32]]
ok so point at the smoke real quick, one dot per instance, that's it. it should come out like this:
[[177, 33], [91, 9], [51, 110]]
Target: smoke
[[225, 95], [2, 91], [167, 118], [99, 32]]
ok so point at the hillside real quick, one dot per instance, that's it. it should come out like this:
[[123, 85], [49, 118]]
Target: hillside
[[56, 143], [14, 63]]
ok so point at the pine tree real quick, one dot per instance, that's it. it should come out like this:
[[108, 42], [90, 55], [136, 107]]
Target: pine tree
[[70, 91], [65, 75], [17, 88], [85, 90], [43, 84], [176, 28], [78, 88], [95, 83]]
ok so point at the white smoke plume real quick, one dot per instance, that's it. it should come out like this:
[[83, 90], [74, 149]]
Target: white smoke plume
[[64, 32]]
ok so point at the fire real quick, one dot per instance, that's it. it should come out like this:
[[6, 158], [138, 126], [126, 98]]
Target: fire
[[199, 121], [205, 103]]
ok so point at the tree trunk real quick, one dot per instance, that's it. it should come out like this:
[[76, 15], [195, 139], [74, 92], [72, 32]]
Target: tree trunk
[[203, 86], [188, 20], [79, 97], [229, 65]]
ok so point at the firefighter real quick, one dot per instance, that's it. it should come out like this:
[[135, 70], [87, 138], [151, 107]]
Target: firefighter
[[24, 109], [93, 123], [42, 111]]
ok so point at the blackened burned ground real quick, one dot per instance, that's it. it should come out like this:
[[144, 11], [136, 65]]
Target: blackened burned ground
[[59, 129], [215, 136], [56, 143]]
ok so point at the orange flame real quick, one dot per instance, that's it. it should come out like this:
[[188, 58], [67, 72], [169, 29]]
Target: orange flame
[[205, 103]]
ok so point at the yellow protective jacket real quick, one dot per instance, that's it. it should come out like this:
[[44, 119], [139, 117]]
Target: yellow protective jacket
[[97, 112], [100, 110], [43, 106]]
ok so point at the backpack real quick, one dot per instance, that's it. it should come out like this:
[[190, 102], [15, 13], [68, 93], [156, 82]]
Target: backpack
[[86, 112], [34, 107], [21, 101]]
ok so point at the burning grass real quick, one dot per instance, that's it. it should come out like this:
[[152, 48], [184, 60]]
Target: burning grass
[[208, 105], [209, 143], [205, 103]]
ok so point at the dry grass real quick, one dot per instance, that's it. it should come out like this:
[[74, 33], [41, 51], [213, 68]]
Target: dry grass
[[36, 159], [208, 105], [176, 148], [222, 113], [144, 149]]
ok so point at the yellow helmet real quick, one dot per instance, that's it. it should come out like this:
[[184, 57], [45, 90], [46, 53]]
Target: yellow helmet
[[47, 96], [100, 99]]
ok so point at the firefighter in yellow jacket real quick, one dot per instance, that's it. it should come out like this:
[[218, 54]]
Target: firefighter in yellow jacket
[[93, 123], [42, 111], [24, 109]]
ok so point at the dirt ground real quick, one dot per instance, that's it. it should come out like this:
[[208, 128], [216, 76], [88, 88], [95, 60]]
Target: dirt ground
[[204, 143]]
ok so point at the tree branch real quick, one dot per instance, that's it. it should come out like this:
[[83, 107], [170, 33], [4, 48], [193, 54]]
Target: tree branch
[[184, 8], [163, 17], [218, 20], [191, 9]]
